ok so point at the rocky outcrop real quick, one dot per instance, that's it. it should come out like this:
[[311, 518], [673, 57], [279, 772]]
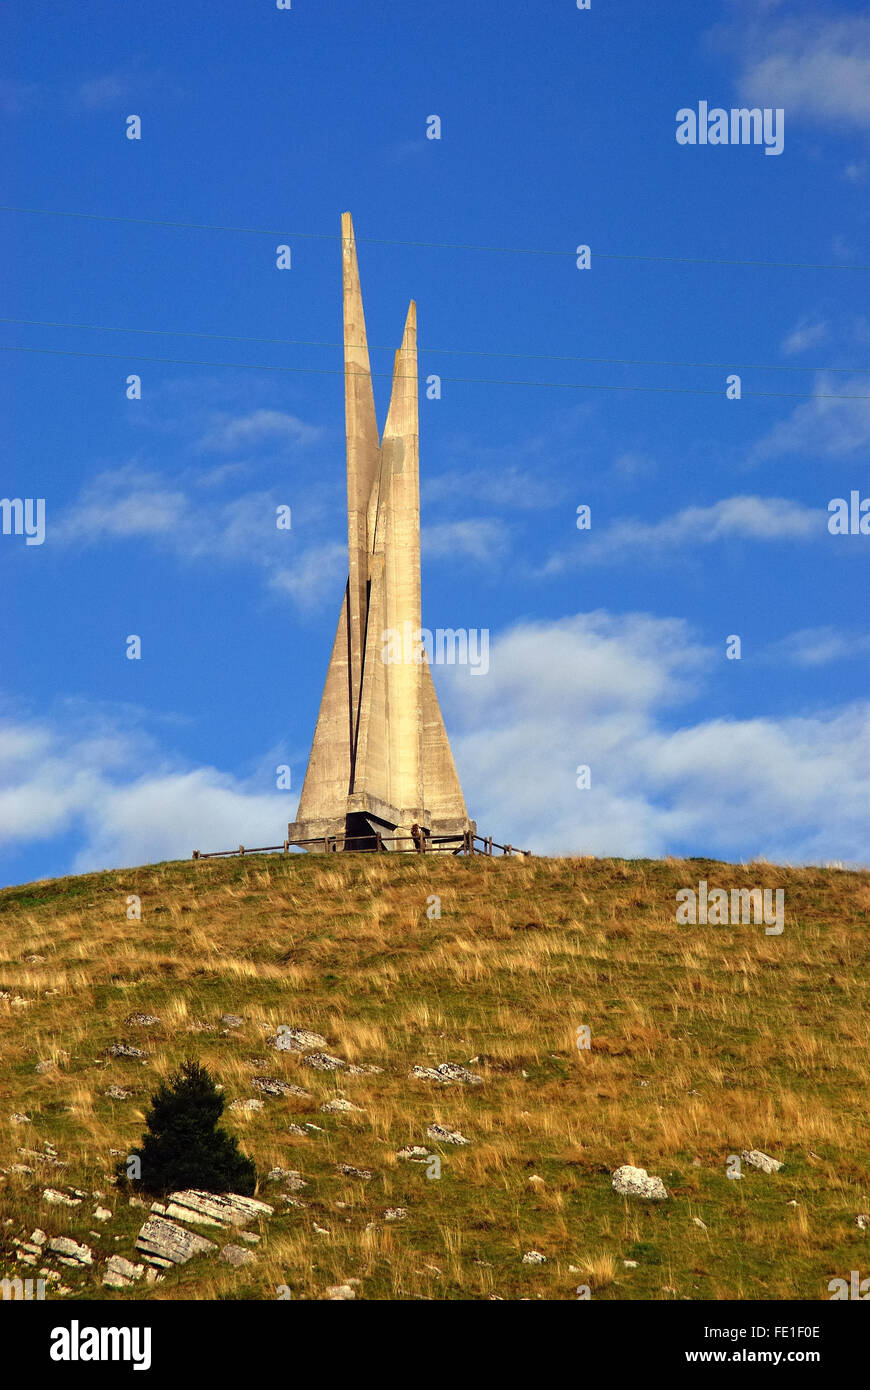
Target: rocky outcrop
[[446, 1136], [69, 1252], [121, 1273], [297, 1040], [213, 1209], [636, 1182], [756, 1159], [446, 1073], [274, 1086], [164, 1243]]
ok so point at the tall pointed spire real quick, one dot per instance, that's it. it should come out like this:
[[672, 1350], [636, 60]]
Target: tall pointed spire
[[401, 452], [380, 760], [362, 460]]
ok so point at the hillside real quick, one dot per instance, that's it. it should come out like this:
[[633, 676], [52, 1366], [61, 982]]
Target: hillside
[[705, 1041]]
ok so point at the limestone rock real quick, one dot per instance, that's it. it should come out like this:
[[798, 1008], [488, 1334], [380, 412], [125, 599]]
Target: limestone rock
[[142, 1021], [230, 1021], [446, 1136], [246, 1105], [70, 1252], [236, 1255], [49, 1159], [414, 1153], [102, 1214], [636, 1182], [163, 1243], [337, 1292], [274, 1086], [534, 1257], [121, 1273], [117, 1093], [395, 1213], [214, 1209], [294, 1180], [756, 1159], [126, 1050], [16, 1118], [446, 1073], [297, 1040], [59, 1199], [339, 1106], [349, 1171], [322, 1061]]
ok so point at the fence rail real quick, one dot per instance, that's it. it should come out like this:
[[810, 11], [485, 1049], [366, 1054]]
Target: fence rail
[[377, 843]]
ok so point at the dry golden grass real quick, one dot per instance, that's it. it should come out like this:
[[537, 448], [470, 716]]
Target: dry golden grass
[[705, 1041]]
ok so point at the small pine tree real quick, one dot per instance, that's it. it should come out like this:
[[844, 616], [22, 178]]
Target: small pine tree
[[184, 1146]]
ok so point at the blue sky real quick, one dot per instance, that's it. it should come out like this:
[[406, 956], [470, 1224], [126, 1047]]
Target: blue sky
[[709, 516]]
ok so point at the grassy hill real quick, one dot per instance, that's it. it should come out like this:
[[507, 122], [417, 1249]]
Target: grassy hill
[[705, 1041]]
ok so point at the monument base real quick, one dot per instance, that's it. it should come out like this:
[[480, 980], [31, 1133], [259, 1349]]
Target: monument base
[[371, 824]]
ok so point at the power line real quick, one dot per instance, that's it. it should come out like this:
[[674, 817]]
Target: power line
[[433, 245], [468, 380], [464, 352]]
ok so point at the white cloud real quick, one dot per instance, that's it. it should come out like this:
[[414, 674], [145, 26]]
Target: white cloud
[[481, 540], [102, 93], [816, 67], [818, 646], [747, 518], [832, 428], [121, 799], [317, 578], [129, 503], [502, 485], [606, 692], [613, 692], [258, 427], [104, 511], [806, 333]]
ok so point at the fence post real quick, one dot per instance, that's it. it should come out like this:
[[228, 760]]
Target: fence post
[[241, 849]]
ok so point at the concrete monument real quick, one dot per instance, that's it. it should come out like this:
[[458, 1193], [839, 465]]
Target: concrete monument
[[380, 762]]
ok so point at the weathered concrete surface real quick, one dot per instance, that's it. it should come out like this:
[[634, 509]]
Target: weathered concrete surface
[[381, 758]]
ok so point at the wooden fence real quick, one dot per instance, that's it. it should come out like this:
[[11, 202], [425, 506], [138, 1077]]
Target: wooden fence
[[376, 843]]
